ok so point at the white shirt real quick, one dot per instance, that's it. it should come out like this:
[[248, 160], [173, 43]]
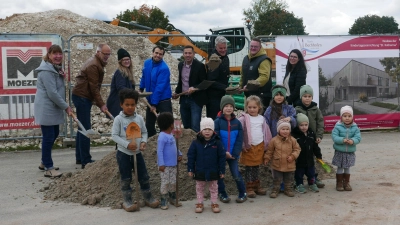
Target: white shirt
[[256, 123]]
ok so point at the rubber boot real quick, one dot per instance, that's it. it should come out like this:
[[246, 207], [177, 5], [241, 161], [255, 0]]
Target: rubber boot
[[339, 182], [172, 199], [288, 190], [346, 182], [164, 201], [257, 188], [250, 190], [275, 189], [128, 205], [149, 200]]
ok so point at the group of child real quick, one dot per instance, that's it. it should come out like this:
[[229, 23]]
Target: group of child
[[286, 137]]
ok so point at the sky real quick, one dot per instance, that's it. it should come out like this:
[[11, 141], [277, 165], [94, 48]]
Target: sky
[[321, 17]]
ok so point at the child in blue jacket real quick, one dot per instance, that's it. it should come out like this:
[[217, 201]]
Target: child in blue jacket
[[230, 130], [346, 135], [206, 163]]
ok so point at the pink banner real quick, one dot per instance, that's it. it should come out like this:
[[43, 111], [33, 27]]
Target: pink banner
[[367, 121]]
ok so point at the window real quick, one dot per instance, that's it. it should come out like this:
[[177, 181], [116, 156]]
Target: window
[[235, 44]]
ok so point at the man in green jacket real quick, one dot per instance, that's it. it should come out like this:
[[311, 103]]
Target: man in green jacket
[[257, 66]]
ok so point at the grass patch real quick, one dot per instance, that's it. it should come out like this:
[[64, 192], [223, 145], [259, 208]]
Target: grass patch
[[385, 105]]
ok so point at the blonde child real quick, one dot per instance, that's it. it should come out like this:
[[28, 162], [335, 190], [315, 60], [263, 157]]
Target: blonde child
[[256, 136], [283, 149], [206, 163], [316, 120], [345, 135]]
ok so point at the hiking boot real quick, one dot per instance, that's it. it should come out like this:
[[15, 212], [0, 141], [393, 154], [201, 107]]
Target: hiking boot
[[52, 173], [241, 198], [288, 191], [128, 205], [275, 189], [346, 182], [164, 201], [215, 208], [250, 190], [319, 183], [313, 188], [149, 200], [339, 182], [301, 189], [41, 167], [223, 197], [199, 208], [257, 188], [172, 199]]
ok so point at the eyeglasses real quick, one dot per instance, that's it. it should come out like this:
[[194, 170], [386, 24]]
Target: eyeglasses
[[293, 57], [251, 46], [106, 54]]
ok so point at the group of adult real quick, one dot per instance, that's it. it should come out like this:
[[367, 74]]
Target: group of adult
[[50, 98]]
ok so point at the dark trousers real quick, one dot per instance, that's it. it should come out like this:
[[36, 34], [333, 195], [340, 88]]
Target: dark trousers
[[190, 113], [234, 168], [308, 171], [163, 106], [213, 107], [83, 107], [49, 135], [126, 165]]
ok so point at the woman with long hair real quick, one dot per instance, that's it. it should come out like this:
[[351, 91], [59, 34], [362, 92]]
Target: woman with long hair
[[295, 76]]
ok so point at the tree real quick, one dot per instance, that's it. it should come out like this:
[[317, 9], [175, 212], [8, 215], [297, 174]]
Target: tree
[[392, 67], [323, 81], [279, 22], [261, 6], [371, 24], [145, 15], [323, 95]]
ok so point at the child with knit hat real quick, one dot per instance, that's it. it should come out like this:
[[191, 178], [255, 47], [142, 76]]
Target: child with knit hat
[[283, 150], [206, 163], [315, 117], [345, 135], [305, 164], [229, 129]]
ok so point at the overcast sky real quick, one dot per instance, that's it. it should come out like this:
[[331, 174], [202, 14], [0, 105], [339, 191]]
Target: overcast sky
[[321, 17]]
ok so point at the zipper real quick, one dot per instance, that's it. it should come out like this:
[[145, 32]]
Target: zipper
[[347, 137], [229, 136]]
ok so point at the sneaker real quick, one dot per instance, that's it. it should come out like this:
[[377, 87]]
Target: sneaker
[[301, 189], [313, 188], [199, 208], [319, 183], [52, 173], [241, 198], [224, 198], [215, 208], [41, 167]]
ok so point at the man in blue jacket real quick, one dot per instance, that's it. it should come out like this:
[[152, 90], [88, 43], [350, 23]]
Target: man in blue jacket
[[156, 79]]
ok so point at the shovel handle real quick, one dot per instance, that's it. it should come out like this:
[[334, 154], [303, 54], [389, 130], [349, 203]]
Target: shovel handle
[[148, 105], [109, 114], [78, 122]]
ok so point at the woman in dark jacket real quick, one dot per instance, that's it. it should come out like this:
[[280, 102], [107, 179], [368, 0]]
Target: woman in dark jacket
[[123, 78], [295, 76]]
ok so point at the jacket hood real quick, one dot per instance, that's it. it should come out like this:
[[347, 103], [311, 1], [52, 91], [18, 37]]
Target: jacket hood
[[307, 107], [259, 53], [341, 124], [46, 66], [126, 116]]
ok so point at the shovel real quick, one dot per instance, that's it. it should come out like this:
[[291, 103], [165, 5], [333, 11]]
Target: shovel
[[109, 115], [132, 133], [202, 86], [178, 134], [326, 167], [148, 105], [88, 133], [233, 90], [144, 94]]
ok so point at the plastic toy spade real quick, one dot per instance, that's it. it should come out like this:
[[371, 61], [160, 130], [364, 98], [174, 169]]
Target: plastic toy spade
[[325, 166]]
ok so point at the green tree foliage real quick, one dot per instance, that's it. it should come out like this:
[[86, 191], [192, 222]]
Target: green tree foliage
[[150, 16], [323, 81], [261, 6], [371, 24], [392, 67], [279, 22]]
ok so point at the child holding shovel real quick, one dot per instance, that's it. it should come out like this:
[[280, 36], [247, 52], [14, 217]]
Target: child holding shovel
[[167, 159], [127, 149]]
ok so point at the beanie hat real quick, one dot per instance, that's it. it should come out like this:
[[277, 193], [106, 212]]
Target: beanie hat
[[227, 99], [346, 109], [281, 124], [278, 88], [122, 53], [205, 123], [301, 117], [306, 89]]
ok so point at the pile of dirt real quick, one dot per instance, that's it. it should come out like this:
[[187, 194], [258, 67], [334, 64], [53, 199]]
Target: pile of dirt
[[99, 183]]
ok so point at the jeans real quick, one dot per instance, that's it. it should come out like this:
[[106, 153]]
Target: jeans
[[190, 113], [213, 107], [163, 106], [234, 168], [50, 134], [83, 107], [126, 165], [308, 171]]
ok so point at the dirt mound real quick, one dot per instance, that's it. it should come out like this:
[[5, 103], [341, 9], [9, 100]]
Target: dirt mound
[[99, 183]]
